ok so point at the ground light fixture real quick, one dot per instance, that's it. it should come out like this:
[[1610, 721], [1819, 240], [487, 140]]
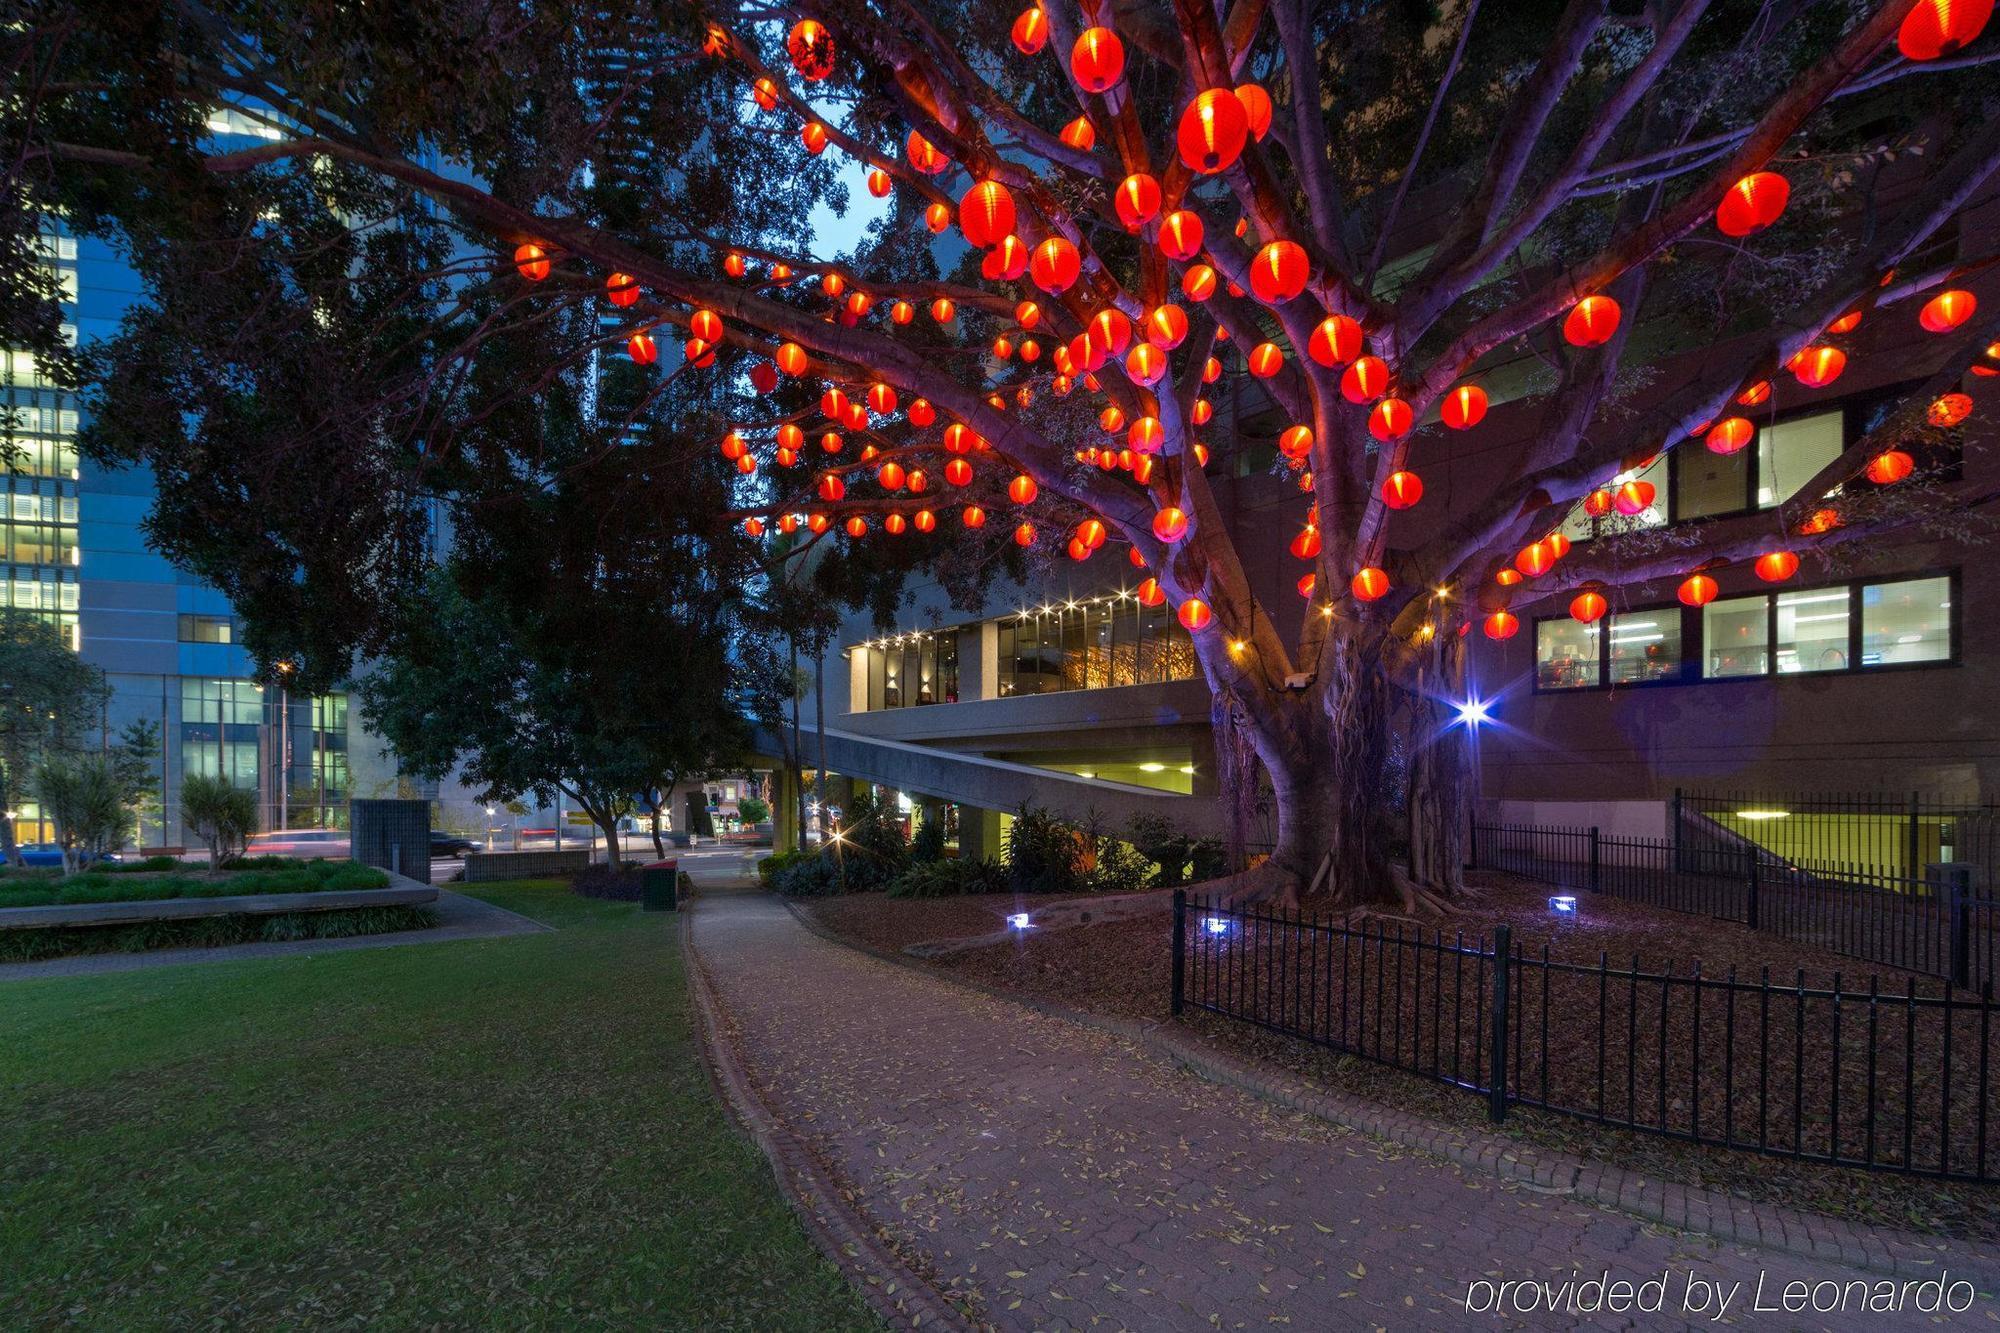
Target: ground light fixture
[[1215, 925], [1018, 920], [1474, 712], [1563, 904], [1763, 814]]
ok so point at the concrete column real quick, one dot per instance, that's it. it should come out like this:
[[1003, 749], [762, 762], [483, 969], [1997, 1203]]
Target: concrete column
[[979, 833], [984, 644], [857, 679]]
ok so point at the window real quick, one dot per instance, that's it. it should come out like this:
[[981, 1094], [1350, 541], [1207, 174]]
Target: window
[[1736, 637], [1812, 631], [1566, 655], [1791, 453], [1644, 645], [1094, 643], [207, 629], [1906, 622], [1580, 526], [1708, 483]]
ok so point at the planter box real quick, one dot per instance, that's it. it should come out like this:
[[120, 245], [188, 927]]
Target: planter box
[[58, 915], [483, 867]]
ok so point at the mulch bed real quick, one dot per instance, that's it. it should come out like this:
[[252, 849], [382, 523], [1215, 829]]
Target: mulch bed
[[1123, 968]]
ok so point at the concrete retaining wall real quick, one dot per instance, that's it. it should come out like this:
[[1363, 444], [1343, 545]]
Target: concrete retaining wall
[[483, 867]]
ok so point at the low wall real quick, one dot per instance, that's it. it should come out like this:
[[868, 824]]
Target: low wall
[[1612, 818], [481, 867]]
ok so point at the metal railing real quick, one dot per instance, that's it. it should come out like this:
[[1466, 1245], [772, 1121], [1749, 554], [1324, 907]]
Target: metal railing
[[1936, 925], [1893, 832], [1897, 1081]]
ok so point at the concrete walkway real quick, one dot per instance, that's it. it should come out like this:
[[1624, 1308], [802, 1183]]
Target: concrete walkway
[[459, 918], [1050, 1176]]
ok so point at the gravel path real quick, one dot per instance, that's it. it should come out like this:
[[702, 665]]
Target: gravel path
[[1050, 1176]]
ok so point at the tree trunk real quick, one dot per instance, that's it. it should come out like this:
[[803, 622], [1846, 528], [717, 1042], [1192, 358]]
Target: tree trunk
[[659, 844], [10, 854], [819, 712], [1439, 805], [794, 758], [609, 824]]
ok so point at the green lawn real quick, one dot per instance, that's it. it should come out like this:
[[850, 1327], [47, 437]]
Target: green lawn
[[501, 1133]]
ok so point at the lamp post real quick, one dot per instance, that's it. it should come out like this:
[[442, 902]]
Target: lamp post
[[489, 828], [285, 669]]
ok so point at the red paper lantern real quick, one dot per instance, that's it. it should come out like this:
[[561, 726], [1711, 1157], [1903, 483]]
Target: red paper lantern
[[1137, 199], [1306, 546], [895, 525], [766, 93], [1265, 360], [1110, 330], [942, 310], [1256, 105], [1006, 261], [1181, 235], [753, 527], [1464, 407], [1031, 31], [879, 183], [1194, 615], [1167, 326], [810, 46], [1170, 524], [1756, 395], [937, 217], [1588, 607], [1056, 265], [1022, 490], [1296, 442], [892, 476], [1335, 342], [1598, 503], [1150, 593], [1817, 367], [986, 214], [1729, 435], [925, 521], [857, 527], [1366, 380], [1752, 204], [699, 353], [1891, 467], [1279, 272], [1697, 590], [622, 289], [814, 137], [1145, 363], [640, 348], [1024, 534], [1776, 566], [1212, 132], [1949, 410], [1947, 310], [1502, 625], [1079, 134], [1369, 585], [973, 517], [1634, 497], [831, 488], [1591, 322], [1146, 436], [1305, 585], [531, 261], [1391, 419], [1940, 27], [923, 155], [1402, 489], [706, 325], [1097, 60], [1198, 283], [1534, 559]]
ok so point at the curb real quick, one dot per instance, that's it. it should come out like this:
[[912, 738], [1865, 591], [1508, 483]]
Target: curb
[[1713, 1213], [838, 1229]]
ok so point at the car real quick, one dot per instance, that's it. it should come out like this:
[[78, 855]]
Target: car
[[450, 844], [307, 842], [50, 854]]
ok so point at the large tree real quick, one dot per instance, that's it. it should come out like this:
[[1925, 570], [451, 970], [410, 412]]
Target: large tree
[[50, 704], [1389, 199]]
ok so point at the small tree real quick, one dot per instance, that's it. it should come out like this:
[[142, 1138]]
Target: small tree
[[83, 797], [48, 700], [220, 815], [752, 810]]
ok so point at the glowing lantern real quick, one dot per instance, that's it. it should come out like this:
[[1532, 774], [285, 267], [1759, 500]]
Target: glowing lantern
[[1170, 524], [1091, 533], [1598, 503], [833, 404], [1167, 326], [1369, 585], [531, 261], [1002, 348], [1006, 261], [1729, 435], [817, 523], [1305, 585], [1296, 442], [857, 526], [919, 483], [1111, 420], [986, 214], [1200, 414], [1112, 331], [1056, 265], [1756, 395], [1132, 554], [1137, 200], [1256, 104], [1949, 410], [902, 312], [733, 446], [766, 93], [1947, 310], [1817, 367], [958, 472], [1211, 371], [788, 523], [810, 46], [1031, 31], [923, 155], [781, 274], [1847, 323], [879, 183], [1194, 615], [1776, 566], [1591, 322], [814, 137], [1634, 497], [1079, 134], [1391, 419], [895, 525], [1752, 204], [1145, 363], [937, 217], [1024, 534], [973, 517], [1697, 590], [942, 310], [1022, 490], [1402, 489], [699, 353], [1366, 380], [791, 437], [925, 521], [1180, 235], [1150, 593], [1588, 607], [1507, 577], [1888, 468], [1939, 27], [831, 442], [1265, 360], [1031, 351], [892, 476], [1079, 549], [1502, 625], [763, 377], [1279, 272], [1335, 342], [792, 359], [1097, 60], [1557, 543], [1212, 131], [1534, 559], [1306, 545], [1146, 435], [1464, 407], [831, 488], [621, 289], [706, 325], [856, 417], [640, 348], [753, 527]]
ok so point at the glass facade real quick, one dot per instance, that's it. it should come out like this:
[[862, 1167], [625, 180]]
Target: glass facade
[[1644, 645], [914, 669], [39, 553], [230, 729], [1091, 645]]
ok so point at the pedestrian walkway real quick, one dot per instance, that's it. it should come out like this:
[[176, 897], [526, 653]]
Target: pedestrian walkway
[[1052, 1176]]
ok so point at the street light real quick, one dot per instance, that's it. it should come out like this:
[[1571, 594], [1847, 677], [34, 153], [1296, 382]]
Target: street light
[[489, 828]]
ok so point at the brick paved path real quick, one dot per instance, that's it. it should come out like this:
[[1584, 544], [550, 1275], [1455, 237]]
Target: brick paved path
[[1056, 1177]]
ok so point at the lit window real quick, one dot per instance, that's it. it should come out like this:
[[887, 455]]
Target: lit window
[[1566, 654], [1812, 631], [1736, 637], [1645, 645], [1791, 453], [1906, 622]]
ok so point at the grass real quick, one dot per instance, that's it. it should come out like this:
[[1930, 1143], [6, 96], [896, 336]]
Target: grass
[[510, 1132]]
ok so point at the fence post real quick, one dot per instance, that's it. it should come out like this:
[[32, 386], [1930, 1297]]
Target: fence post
[[1680, 863], [1960, 880], [1180, 950], [1751, 914], [1472, 846], [1596, 863], [1503, 959]]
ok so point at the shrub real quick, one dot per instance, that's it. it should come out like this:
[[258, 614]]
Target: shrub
[[151, 865], [220, 815], [1118, 867], [1044, 854], [875, 849], [772, 864], [949, 879], [1181, 859], [815, 877], [598, 880], [928, 845], [20, 946], [85, 799], [752, 811]]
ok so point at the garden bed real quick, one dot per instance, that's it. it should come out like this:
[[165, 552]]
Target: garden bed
[[1124, 968], [48, 889]]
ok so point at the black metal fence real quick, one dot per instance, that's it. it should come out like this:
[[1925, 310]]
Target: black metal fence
[[1895, 832], [1898, 1080], [1936, 925]]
